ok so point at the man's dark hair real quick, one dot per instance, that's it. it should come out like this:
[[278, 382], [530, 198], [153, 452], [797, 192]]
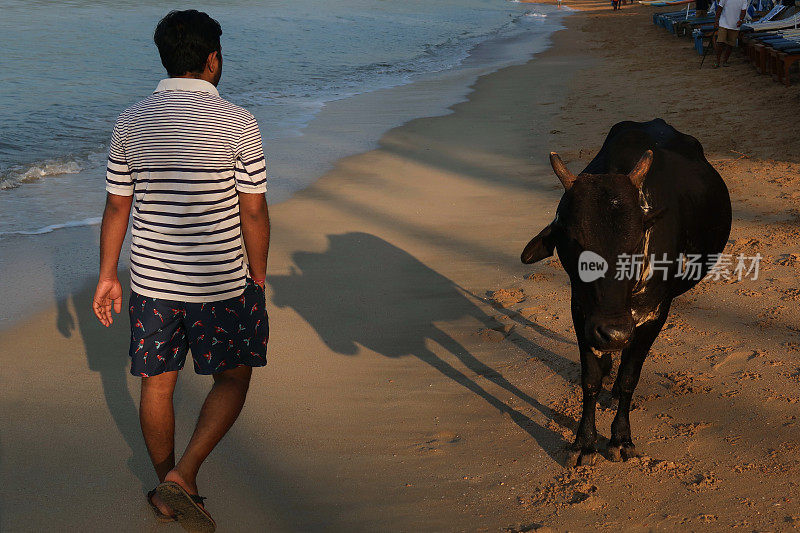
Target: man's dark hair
[[184, 40]]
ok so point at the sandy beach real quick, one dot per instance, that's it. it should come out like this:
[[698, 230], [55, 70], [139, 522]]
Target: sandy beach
[[421, 378]]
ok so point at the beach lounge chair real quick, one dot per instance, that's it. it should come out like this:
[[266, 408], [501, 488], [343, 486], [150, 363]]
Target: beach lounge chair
[[754, 35], [759, 47], [701, 37], [773, 52], [783, 63], [792, 21], [687, 27], [668, 19]]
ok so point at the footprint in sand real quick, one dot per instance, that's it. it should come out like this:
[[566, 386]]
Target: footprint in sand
[[536, 276], [738, 357], [506, 297], [792, 294], [437, 443], [531, 313], [703, 482], [790, 260], [496, 334], [566, 490], [683, 382], [749, 293], [749, 375]]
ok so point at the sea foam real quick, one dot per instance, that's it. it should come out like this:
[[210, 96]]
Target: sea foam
[[16, 176], [91, 221]]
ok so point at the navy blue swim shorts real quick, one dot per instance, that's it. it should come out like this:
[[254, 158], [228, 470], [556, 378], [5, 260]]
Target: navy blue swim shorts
[[221, 335]]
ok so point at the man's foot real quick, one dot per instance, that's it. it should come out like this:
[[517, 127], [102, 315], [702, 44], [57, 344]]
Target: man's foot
[[726, 64], [189, 508], [163, 511], [176, 477]]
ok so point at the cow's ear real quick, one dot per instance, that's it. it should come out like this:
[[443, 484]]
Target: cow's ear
[[640, 169], [540, 246], [651, 217]]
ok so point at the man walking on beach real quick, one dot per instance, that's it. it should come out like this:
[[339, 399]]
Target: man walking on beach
[[192, 167], [730, 15]]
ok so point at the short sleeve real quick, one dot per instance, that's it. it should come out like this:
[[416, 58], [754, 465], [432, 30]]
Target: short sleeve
[[118, 174], [250, 168]]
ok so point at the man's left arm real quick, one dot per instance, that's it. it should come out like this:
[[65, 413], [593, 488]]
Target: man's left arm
[[741, 17], [251, 185], [254, 217]]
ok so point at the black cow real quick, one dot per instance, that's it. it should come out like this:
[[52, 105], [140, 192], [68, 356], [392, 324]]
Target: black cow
[[650, 191]]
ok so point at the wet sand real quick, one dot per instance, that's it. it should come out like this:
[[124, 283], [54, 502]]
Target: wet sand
[[420, 377]]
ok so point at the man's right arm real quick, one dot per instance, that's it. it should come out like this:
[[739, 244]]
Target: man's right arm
[[120, 188], [108, 293]]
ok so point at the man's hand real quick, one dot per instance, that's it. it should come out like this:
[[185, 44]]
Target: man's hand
[[255, 231], [107, 295], [112, 234]]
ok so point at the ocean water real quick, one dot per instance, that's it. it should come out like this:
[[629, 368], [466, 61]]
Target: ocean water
[[70, 67]]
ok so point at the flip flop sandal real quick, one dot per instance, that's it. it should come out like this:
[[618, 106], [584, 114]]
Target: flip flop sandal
[[188, 508], [161, 517]]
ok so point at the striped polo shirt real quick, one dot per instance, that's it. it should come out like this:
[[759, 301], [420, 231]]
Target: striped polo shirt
[[184, 153]]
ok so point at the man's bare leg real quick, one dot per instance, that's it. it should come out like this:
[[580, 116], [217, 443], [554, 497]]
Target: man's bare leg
[[220, 410], [157, 419], [728, 50]]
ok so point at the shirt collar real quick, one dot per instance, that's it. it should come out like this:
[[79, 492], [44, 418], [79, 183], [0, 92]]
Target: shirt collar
[[186, 84]]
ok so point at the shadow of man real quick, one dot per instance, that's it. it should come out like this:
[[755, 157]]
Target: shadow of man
[[106, 354], [365, 291], [259, 483]]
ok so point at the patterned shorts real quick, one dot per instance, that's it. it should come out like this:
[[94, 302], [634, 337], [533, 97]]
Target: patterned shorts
[[221, 335]]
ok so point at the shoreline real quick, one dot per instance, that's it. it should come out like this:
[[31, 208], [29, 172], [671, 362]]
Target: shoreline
[[379, 206], [354, 125], [389, 106], [342, 128]]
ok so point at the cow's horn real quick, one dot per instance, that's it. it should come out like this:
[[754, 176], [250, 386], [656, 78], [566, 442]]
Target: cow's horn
[[567, 178], [640, 170]]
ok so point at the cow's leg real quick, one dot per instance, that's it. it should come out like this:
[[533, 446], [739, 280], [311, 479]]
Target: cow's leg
[[583, 451], [621, 445]]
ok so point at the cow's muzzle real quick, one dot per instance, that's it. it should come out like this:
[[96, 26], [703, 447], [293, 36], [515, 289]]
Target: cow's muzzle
[[609, 334]]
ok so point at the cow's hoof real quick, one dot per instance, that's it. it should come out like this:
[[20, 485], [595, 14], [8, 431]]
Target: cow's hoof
[[581, 458], [622, 452]]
